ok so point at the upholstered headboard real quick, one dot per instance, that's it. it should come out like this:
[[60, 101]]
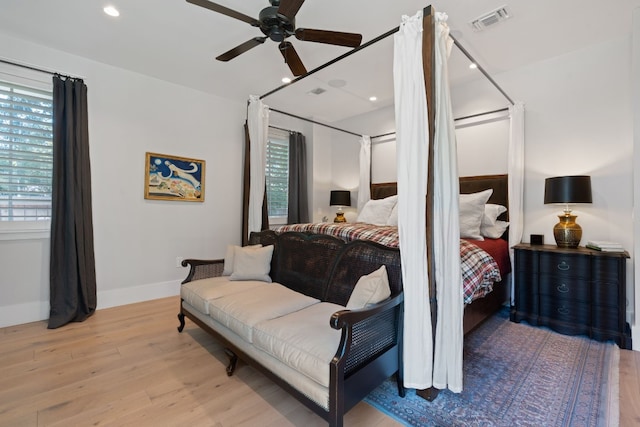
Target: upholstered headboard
[[468, 184]]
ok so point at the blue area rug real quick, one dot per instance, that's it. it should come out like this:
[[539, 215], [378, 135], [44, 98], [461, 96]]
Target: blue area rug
[[518, 375]]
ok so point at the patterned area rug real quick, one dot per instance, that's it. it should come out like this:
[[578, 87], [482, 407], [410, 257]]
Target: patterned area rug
[[518, 375]]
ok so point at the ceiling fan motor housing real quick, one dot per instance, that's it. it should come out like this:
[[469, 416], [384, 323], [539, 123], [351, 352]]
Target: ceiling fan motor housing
[[275, 26]]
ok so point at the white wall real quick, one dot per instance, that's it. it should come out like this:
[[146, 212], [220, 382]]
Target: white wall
[[136, 240]]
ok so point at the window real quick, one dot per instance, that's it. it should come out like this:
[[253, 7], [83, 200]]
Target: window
[[277, 176], [26, 152]]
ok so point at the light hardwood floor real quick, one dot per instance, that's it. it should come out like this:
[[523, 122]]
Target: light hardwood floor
[[129, 366]]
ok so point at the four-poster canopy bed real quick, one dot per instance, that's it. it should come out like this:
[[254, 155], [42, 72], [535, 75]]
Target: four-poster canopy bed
[[435, 128]]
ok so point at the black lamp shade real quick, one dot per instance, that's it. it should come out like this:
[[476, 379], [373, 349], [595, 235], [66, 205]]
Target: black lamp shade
[[567, 189], [340, 198]]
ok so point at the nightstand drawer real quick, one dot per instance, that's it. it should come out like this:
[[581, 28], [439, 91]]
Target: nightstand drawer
[[564, 288], [606, 269], [565, 265], [576, 313], [606, 318], [606, 293]]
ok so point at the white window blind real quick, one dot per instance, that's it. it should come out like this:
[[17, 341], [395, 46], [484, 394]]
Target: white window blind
[[26, 152], [277, 175]]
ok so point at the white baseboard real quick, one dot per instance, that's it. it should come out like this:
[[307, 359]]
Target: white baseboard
[[18, 314]]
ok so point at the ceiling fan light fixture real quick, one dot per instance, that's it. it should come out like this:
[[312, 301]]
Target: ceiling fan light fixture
[[286, 80]]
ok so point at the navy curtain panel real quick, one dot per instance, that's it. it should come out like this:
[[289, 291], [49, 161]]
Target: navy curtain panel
[[298, 208], [72, 262]]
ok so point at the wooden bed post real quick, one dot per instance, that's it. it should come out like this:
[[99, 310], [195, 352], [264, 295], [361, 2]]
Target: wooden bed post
[[428, 61]]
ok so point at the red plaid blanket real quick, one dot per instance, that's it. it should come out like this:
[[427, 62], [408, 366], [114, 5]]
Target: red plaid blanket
[[479, 269]]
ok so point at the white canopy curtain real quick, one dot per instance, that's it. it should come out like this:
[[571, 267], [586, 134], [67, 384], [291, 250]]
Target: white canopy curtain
[[258, 124], [364, 189], [516, 179], [412, 132], [412, 139], [447, 371]]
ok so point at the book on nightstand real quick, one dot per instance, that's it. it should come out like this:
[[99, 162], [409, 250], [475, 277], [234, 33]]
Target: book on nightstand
[[604, 246]]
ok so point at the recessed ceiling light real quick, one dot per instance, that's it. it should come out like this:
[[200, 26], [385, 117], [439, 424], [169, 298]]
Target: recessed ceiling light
[[473, 66], [286, 80], [373, 98], [111, 11]]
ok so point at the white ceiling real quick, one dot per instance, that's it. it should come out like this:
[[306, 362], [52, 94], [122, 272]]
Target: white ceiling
[[176, 41]]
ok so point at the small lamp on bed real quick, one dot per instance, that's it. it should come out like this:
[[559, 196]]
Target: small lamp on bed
[[340, 198], [567, 190]]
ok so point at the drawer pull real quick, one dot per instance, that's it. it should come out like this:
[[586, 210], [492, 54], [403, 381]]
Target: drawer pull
[[563, 310], [563, 288], [563, 266]]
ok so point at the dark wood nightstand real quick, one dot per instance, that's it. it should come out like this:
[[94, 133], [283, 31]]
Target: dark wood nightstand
[[572, 291]]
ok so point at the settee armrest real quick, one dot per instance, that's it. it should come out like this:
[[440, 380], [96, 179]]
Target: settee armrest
[[203, 268], [367, 332]]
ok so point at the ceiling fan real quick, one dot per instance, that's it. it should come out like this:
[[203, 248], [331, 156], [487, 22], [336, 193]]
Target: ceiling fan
[[277, 22]]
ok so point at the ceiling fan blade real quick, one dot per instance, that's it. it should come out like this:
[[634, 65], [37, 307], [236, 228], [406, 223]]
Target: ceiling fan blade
[[292, 59], [225, 11], [229, 55], [289, 8], [329, 37]]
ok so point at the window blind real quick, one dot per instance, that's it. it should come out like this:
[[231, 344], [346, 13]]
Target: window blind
[[26, 152], [277, 175]]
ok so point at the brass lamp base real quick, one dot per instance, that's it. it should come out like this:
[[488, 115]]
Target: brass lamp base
[[567, 233], [339, 217]]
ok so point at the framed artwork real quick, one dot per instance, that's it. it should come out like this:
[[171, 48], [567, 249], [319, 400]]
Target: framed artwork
[[174, 178]]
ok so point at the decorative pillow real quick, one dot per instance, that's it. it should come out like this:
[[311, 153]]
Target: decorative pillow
[[228, 258], [491, 214], [377, 211], [393, 218], [252, 263], [496, 230], [471, 213], [370, 289]]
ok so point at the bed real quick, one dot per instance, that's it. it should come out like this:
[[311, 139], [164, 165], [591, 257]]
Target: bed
[[485, 263]]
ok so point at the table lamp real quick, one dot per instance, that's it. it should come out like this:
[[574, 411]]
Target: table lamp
[[567, 190], [340, 198]]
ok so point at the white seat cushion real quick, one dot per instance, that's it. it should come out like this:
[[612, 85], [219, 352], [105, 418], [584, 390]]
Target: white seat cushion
[[241, 312], [199, 292], [302, 340]]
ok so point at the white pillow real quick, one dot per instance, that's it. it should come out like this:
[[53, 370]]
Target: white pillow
[[393, 217], [370, 289], [471, 213], [228, 258], [252, 263], [377, 211], [491, 214], [496, 230]]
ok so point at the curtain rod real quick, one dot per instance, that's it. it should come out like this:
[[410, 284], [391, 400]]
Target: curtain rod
[[40, 70], [459, 118], [314, 122], [500, 110], [282, 129]]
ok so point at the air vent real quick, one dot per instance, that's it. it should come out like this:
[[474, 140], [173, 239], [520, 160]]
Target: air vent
[[316, 91], [489, 19]]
